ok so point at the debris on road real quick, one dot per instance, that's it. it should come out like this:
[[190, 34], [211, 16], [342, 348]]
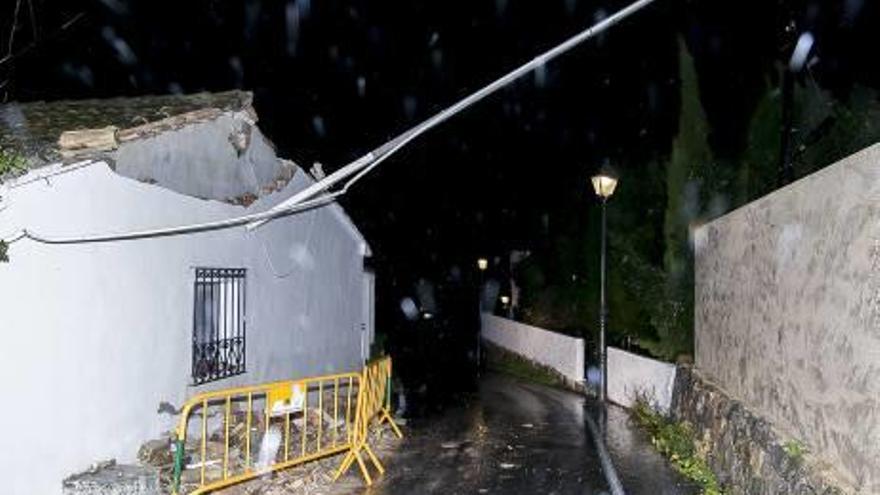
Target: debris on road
[[316, 477]]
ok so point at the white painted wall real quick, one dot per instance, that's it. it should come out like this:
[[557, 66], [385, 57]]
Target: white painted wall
[[369, 305], [562, 353], [630, 375], [199, 160], [95, 336]]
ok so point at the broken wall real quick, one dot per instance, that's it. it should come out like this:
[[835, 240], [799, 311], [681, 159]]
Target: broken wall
[[97, 338]]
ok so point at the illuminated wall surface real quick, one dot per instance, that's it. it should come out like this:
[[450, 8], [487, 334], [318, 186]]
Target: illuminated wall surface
[[557, 351], [632, 377], [788, 312], [96, 336]]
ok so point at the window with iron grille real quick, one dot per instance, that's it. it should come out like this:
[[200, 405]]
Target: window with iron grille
[[218, 340]]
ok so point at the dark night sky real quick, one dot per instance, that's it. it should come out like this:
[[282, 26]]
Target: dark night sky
[[334, 79]]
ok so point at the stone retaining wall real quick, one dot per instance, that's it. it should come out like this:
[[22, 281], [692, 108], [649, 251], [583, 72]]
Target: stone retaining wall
[[745, 452], [787, 312]]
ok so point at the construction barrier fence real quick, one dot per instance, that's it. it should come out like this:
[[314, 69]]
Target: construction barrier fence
[[373, 409], [230, 436]]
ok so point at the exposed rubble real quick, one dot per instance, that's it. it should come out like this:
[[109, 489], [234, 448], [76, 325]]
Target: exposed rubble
[[316, 477], [109, 478], [310, 478]]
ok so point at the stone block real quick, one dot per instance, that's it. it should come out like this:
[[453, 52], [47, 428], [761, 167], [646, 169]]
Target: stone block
[[109, 478], [156, 452], [742, 448]]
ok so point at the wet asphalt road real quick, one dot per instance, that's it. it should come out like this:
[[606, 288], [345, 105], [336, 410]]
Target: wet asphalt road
[[522, 438]]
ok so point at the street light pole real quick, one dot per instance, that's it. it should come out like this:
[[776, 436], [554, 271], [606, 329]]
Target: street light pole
[[482, 264], [604, 186], [603, 311]]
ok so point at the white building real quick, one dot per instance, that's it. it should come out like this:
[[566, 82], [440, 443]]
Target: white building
[[99, 339]]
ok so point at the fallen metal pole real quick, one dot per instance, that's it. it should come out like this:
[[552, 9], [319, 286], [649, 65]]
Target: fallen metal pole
[[393, 145], [306, 199]]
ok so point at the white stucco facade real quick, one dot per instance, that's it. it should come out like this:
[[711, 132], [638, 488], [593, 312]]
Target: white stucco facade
[[96, 336]]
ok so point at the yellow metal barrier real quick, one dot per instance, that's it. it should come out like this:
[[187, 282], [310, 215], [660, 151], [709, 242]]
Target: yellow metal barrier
[[245, 432], [373, 407], [234, 435]]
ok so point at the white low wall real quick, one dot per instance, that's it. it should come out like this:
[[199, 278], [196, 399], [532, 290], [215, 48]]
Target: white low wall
[[560, 352], [630, 375]]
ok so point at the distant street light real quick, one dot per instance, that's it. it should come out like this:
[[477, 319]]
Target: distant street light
[[482, 264], [604, 186], [505, 305]]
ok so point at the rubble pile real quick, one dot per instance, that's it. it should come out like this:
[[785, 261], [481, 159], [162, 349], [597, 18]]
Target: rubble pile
[[309, 478], [316, 477], [110, 478]]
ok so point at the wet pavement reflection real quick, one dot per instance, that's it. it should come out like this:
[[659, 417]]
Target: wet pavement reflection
[[523, 438]]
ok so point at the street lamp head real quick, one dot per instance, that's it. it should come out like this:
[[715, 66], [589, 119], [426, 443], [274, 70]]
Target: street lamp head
[[482, 264], [505, 300], [604, 185]]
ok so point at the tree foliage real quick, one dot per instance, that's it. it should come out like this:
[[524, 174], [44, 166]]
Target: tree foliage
[[649, 259], [829, 129], [657, 206], [11, 163]]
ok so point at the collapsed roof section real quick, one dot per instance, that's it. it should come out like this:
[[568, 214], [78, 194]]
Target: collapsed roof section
[[205, 145]]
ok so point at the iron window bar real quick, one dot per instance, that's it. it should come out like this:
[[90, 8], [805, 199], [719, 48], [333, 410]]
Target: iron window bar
[[219, 324]]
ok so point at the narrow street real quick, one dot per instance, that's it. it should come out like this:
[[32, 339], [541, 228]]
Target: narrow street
[[522, 438]]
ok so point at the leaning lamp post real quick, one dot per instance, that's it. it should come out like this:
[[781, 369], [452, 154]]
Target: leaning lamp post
[[604, 186]]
